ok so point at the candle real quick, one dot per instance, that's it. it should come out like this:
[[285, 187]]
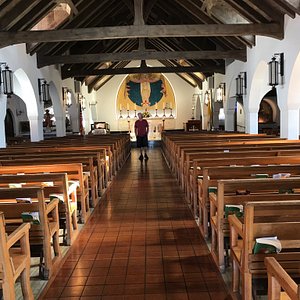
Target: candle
[[120, 106], [164, 105], [170, 105], [127, 106], [134, 106], [155, 105]]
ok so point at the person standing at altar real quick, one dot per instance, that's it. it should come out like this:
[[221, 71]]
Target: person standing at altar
[[141, 127]]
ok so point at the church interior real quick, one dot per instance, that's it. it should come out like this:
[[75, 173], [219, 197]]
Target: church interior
[[149, 149]]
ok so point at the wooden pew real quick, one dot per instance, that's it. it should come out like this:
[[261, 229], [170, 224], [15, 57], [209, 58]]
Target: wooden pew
[[74, 171], [55, 184], [210, 176], [42, 235], [278, 280], [87, 163], [263, 219], [226, 195], [15, 262]]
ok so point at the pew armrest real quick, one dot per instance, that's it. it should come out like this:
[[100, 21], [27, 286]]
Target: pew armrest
[[278, 278], [21, 232]]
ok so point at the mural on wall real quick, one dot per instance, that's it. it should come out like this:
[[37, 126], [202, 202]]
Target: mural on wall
[[145, 92]]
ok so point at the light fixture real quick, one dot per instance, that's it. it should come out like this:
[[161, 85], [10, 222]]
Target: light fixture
[[43, 90], [241, 84], [94, 103], [220, 95], [6, 80], [81, 99], [276, 67], [67, 97]]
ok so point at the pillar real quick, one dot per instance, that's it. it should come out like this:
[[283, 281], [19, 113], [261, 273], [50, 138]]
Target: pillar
[[36, 129], [289, 124]]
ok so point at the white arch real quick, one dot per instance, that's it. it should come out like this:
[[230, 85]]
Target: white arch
[[58, 110], [24, 89]]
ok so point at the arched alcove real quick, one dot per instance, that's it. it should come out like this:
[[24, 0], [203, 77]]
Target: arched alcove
[[9, 125], [257, 90]]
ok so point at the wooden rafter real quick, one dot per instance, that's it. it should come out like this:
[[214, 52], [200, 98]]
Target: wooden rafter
[[274, 30], [139, 55]]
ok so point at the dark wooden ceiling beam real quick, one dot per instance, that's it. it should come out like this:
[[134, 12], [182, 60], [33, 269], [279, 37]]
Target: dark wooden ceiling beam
[[284, 7], [139, 55], [16, 14], [148, 8], [141, 70], [274, 30], [139, 12]]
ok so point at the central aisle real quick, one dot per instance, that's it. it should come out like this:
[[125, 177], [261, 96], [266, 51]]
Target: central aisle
[[140, 243]]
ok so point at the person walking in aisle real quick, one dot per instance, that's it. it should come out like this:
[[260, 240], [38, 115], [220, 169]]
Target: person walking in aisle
[[141, 127]]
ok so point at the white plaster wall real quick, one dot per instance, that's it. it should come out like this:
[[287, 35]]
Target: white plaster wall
[[107, 111], [257, 73]]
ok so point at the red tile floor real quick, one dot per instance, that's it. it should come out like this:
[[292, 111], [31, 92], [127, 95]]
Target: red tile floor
[[140, 243]]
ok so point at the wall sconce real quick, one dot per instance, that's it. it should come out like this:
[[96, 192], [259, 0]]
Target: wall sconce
[[241, 84], [220, 97], [6, 79], [43, 90], [81, 99], [207, 97], [67, 97], [77, 86], [276, 67]]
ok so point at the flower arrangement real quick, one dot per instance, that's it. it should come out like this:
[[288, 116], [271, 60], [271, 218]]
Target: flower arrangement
[[146, 114]]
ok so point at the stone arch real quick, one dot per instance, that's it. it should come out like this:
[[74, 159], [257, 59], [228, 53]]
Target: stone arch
[[24, 89]]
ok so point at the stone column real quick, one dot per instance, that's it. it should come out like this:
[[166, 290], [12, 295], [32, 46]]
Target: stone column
[[289, 124], [36, 128]]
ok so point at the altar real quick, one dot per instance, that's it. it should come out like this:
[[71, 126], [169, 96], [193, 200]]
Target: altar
[[156, 126]]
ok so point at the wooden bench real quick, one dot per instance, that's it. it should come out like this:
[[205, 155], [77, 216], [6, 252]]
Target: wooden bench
[[263, 219], [263, 189], [210, 176], [42, 235], [15, 262], [57, 185], [278, 280], [74, 172]]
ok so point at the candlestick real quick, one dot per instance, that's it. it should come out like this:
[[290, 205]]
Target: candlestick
[[171, 115], [156, 115], [129, 129], [135, 113], [127, 106], [193, 113], [121, 114], [164, 110], [128, 116]]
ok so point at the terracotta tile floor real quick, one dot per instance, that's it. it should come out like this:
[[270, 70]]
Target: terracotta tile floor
[[140, 243]]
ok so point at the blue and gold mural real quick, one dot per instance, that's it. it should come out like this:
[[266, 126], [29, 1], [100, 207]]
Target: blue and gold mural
[[145, 92]]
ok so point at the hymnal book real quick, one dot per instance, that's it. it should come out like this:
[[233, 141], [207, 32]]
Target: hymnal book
[[32, 217], [14, 185], [267, 245], [261, 175], [60, 197], [238, 210], [281, 175], [47, 183], [23, 200], [212, 189]]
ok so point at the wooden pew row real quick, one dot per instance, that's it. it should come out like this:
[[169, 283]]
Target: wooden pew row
[[87, 163], [15, 262], [190, 183], [186, 160], [43, 236], [263, 219], [175, 155], [266, 188], [209, 145], [210, 176], [198, 165], [278, 280], [55, 184], [74, 172], [103, 164]]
